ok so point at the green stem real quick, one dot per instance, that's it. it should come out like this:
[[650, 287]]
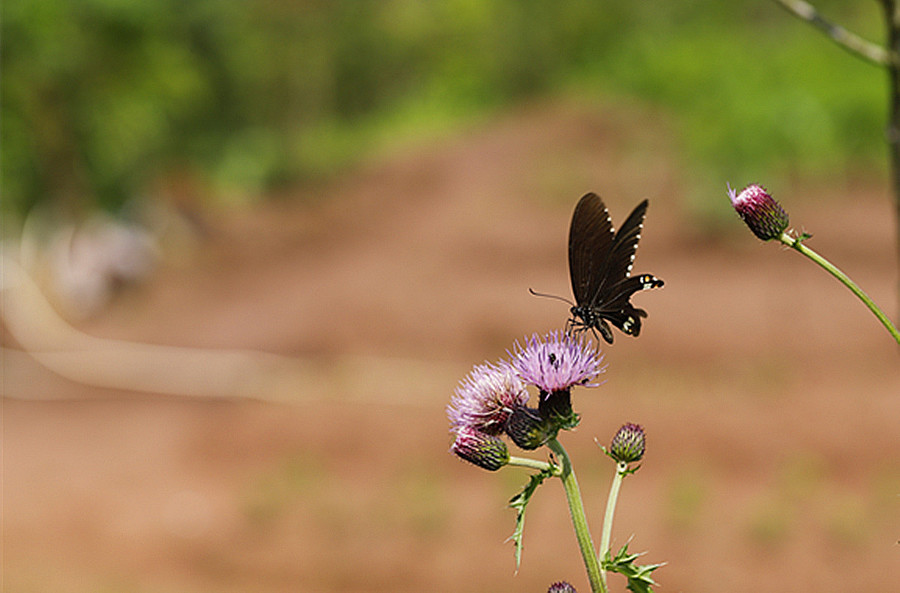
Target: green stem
[[797, 245], [530, 463], [621, 471], [579, 519]]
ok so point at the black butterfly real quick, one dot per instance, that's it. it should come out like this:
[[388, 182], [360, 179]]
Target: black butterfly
[[600, 261]]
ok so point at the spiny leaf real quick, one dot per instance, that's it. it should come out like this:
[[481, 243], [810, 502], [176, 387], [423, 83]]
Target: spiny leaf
[[639, 579], [519, 502]]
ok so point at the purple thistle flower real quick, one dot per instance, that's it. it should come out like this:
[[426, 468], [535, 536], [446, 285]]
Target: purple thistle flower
[[557, 362], [561, 587], [484, 450], [765, 217], [485, 399]]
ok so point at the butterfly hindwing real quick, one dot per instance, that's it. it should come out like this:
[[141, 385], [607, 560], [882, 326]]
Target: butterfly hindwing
[[620, 294]]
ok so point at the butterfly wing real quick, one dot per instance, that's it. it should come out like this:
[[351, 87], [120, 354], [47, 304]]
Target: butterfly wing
[[620, 258], [590, 241], [600, 262], [618, 308]]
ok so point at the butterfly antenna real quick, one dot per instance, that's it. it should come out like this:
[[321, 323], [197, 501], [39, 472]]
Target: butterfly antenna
[[551, 296]]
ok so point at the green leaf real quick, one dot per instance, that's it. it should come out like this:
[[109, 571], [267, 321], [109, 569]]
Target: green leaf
[[639, 579], [519, 502]]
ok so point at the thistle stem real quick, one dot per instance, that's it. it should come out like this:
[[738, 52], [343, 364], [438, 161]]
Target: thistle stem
[[621, 472], [530, 463], [797, 245], [579, 519]]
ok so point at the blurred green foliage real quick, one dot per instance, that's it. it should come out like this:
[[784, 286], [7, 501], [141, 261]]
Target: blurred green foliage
[[102, 97]]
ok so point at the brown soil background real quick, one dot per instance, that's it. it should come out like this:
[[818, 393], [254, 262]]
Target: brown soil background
[[771, 397]]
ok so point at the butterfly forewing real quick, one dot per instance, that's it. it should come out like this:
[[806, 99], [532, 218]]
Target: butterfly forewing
[[590, 237]]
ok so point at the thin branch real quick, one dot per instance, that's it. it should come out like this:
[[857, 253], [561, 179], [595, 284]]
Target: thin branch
[[849, 41]]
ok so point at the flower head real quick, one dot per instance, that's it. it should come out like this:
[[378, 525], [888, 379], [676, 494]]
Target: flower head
[[628, 444], [561, 587], [765, 217], [485, 399], [557, 362], [484, 450]]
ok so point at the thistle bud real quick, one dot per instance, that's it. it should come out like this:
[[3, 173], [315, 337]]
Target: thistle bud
[[529, 429], [628, 444], [561, 587], [765, 217], [486, 451]]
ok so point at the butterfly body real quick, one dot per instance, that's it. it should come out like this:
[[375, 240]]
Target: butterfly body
[[600, 262]]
